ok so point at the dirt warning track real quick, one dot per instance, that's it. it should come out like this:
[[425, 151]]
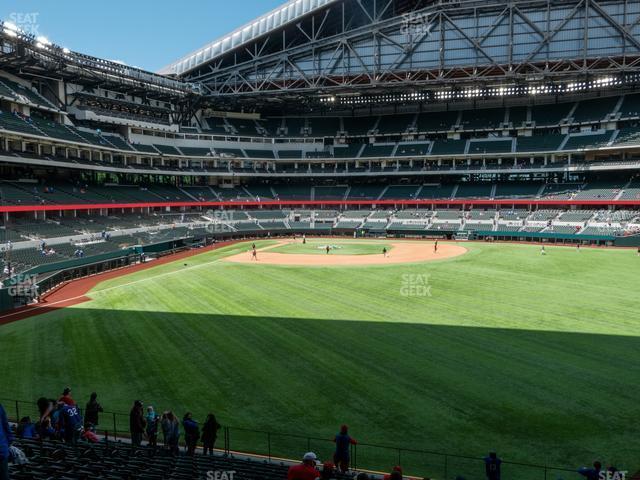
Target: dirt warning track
[[402, 252]]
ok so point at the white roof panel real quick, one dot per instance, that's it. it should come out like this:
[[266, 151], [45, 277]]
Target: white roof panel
[[288, 12]]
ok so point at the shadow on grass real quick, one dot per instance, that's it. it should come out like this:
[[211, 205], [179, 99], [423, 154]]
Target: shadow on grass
[[539, 397]]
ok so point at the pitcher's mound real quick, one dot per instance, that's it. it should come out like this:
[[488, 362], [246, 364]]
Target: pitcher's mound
[[402, 252]]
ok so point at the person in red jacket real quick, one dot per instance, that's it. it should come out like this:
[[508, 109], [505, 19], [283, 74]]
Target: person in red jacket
[[67, 398], [306, 470], [396, 473]]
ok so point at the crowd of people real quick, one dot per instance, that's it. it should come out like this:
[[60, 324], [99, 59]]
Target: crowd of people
[[62, 419], [147, 424]]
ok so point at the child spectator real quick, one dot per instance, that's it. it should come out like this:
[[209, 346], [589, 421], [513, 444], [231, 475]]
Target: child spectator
[[343, 442], [328, 471], [396, 472], [26, 428], [152, 420]]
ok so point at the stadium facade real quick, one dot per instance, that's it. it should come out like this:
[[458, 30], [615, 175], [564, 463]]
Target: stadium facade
[[509, 120]]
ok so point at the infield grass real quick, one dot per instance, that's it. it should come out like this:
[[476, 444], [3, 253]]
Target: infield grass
[[536, 357], [337, 247]]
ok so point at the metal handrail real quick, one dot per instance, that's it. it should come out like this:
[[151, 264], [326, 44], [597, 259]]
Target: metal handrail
[[305, 443]]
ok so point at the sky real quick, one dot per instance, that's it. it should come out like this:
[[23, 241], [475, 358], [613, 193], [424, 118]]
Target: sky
[[149, 34]]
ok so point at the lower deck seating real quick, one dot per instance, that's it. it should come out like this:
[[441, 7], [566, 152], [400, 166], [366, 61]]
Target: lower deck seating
[[113, 460]]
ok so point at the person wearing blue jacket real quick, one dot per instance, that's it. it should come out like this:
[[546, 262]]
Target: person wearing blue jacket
[[343, 441], [591, 473], [492, 466], [191, 433], [26, 428], [5, 441], [70, 423]]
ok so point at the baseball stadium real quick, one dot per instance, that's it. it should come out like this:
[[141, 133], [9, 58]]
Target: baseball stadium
[[350, 239]]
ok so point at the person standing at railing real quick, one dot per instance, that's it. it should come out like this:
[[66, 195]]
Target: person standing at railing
[[342, 457], [136, 423], [492, 466], [210, 434], [170, 431], [5, 442], [152, 426], [91, 412], [191, 433]]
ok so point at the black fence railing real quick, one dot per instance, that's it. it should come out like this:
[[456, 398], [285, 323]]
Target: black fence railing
[[279, 445]]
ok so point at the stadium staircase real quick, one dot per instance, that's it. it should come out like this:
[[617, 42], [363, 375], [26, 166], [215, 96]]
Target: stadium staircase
[[185, 192]]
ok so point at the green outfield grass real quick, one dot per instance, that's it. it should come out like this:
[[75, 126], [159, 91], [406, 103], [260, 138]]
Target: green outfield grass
[[536, 357], [338, 247]]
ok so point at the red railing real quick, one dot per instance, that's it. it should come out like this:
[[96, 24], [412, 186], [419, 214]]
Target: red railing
[[467, 202]]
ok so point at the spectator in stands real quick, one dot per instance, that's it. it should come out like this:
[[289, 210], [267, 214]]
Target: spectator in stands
[[210, 434], [362, 476], [45, 425], [5, 442], [191, 433], [91, 412], [26, 428], [136, 423], [90, 436], [396, 472], [343, 441], [328, 471], [306, 470], [66, 397], [591, 473], [492, 466], [170, 431], [69, 423], [152, 420]]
